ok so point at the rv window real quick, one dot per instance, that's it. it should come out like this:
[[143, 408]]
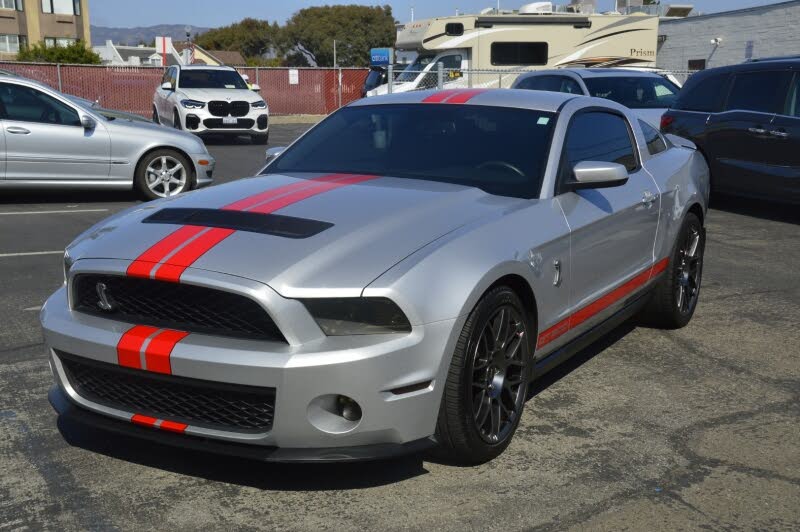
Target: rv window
[[519, 53], [454, 29], [415, 69]]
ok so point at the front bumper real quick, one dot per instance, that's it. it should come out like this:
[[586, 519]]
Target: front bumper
[[396, 379], [204, 165], [201, 121]]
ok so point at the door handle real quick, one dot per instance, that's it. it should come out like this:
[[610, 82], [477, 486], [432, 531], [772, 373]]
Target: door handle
[[756, 130], [14, 130], [648, 198], [781, 134]]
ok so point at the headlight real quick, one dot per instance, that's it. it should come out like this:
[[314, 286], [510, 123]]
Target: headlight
[[357, 315], [259, 105], [68, 262], [192, 104]]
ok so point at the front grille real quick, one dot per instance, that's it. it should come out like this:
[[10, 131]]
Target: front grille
[[199, 403], [174, 306], [220, 108], [216, 123]]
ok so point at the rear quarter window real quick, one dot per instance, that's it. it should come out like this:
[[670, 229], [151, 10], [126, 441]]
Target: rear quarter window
[[655, 142], [703, 95]]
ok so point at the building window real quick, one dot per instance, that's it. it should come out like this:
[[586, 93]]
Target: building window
[[11, 4], [519, 53], [52, 42], [697, 64], [62, 7], [9, 43]]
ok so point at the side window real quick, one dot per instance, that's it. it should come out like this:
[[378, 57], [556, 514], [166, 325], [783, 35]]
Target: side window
[[655, 142], [519, 53], [763, 92], [704, 95], [173, 77], [793, 103], [570, 86], [449, 62], [165, 77], [25, 104], [597, 136]]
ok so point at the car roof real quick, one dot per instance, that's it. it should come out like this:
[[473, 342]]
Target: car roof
[[751, 66], [597, 73], [205, 67], [520, 99]]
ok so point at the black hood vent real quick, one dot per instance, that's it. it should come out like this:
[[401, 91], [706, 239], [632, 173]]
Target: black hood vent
[[251, 222]]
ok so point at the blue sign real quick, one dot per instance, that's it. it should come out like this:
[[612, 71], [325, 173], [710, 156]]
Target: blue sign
[[381, 56]]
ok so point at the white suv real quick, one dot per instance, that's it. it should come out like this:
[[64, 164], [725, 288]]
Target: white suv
[[205, 100]]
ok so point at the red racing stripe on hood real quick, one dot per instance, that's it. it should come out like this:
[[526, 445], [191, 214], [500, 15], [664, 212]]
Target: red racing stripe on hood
[[188, 254], [291, 199]]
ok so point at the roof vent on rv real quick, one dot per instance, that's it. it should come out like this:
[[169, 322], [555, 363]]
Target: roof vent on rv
[[535, 8]]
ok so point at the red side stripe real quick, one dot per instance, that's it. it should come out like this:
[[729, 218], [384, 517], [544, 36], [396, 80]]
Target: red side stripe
[[144, 263], [145, 421], [439, 97], [597, 306], [465, 96], [189, 253], [289, 199], [129, 346], [173, 426], [159, 350]]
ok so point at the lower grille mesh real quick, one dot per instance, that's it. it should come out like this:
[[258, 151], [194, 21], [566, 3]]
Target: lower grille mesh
[[208, 404]]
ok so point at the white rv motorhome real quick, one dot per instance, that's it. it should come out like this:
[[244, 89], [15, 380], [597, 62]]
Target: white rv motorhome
[[534, 37]]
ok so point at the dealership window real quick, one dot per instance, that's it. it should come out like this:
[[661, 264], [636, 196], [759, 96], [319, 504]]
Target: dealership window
[[519, 53], [62, 7], [697, 64], [11, 4], [52, 42], [11, 43]]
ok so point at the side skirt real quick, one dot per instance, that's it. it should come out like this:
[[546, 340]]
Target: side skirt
[[632, 306]]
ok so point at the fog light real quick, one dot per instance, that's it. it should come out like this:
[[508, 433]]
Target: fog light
[[348, 408]]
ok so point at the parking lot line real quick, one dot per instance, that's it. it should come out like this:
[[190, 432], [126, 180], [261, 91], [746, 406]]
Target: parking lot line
[[30, 254], [71, 211]]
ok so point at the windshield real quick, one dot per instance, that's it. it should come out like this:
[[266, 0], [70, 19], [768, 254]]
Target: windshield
[[414, 69], [211, 79], [636, 92], [497, 149]]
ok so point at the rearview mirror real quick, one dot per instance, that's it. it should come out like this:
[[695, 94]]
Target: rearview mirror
[[167, 86], [88, 122], [274, 152], [598, 174]]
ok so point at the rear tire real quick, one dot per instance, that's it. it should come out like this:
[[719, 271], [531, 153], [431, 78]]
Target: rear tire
[[487, 384], [260, 139], [676, 295]]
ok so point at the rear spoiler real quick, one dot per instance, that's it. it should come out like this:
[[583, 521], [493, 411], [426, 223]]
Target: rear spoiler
[[680, 141]]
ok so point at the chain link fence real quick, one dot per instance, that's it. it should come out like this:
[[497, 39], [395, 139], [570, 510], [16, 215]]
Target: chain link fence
[[313, 91]]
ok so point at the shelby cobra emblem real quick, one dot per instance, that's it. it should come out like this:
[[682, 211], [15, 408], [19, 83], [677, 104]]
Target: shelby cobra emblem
[[104, 303]]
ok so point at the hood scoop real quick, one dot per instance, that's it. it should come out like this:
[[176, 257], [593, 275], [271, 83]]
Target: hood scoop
[[250, 222]]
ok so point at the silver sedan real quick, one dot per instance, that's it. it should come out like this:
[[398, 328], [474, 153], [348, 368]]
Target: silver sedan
[[51, 141], [395, 279]]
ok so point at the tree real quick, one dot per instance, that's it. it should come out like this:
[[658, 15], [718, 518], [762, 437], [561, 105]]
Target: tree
[[253, 38], [310, 33], [75, 53]]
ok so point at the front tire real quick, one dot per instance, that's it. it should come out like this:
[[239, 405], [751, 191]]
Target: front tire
[[487, 384], [676, 295], [163, 173]]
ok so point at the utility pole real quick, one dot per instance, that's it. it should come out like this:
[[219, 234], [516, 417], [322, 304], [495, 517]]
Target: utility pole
[[412, 13], [335, 63]]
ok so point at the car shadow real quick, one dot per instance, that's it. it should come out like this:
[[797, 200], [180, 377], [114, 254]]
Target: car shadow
[[225, 140], [241, 471], [768, 210]]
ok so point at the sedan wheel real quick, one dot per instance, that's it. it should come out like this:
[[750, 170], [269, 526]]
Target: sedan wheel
[[162, 174], [487, 384]]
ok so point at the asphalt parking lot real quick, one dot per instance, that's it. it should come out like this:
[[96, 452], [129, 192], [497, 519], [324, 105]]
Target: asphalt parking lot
[[644, 430]]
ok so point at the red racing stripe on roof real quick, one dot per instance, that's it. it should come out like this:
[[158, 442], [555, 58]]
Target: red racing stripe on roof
[[465, 96], [440, 96]]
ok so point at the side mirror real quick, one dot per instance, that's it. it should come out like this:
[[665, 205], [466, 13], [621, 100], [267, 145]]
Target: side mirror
[[88, 122], [167, 86], [598, 174], [255, 87], [274, 152]]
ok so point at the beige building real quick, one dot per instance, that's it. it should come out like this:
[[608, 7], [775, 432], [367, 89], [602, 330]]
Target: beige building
[[53, 22]]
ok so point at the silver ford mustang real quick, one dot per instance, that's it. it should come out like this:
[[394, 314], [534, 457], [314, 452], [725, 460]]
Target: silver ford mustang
[[394, 279]]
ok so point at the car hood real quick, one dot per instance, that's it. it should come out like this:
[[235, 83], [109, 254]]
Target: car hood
[[374, 224], [207, 95]]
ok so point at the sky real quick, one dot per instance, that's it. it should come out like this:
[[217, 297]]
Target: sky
[[214, 13]]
